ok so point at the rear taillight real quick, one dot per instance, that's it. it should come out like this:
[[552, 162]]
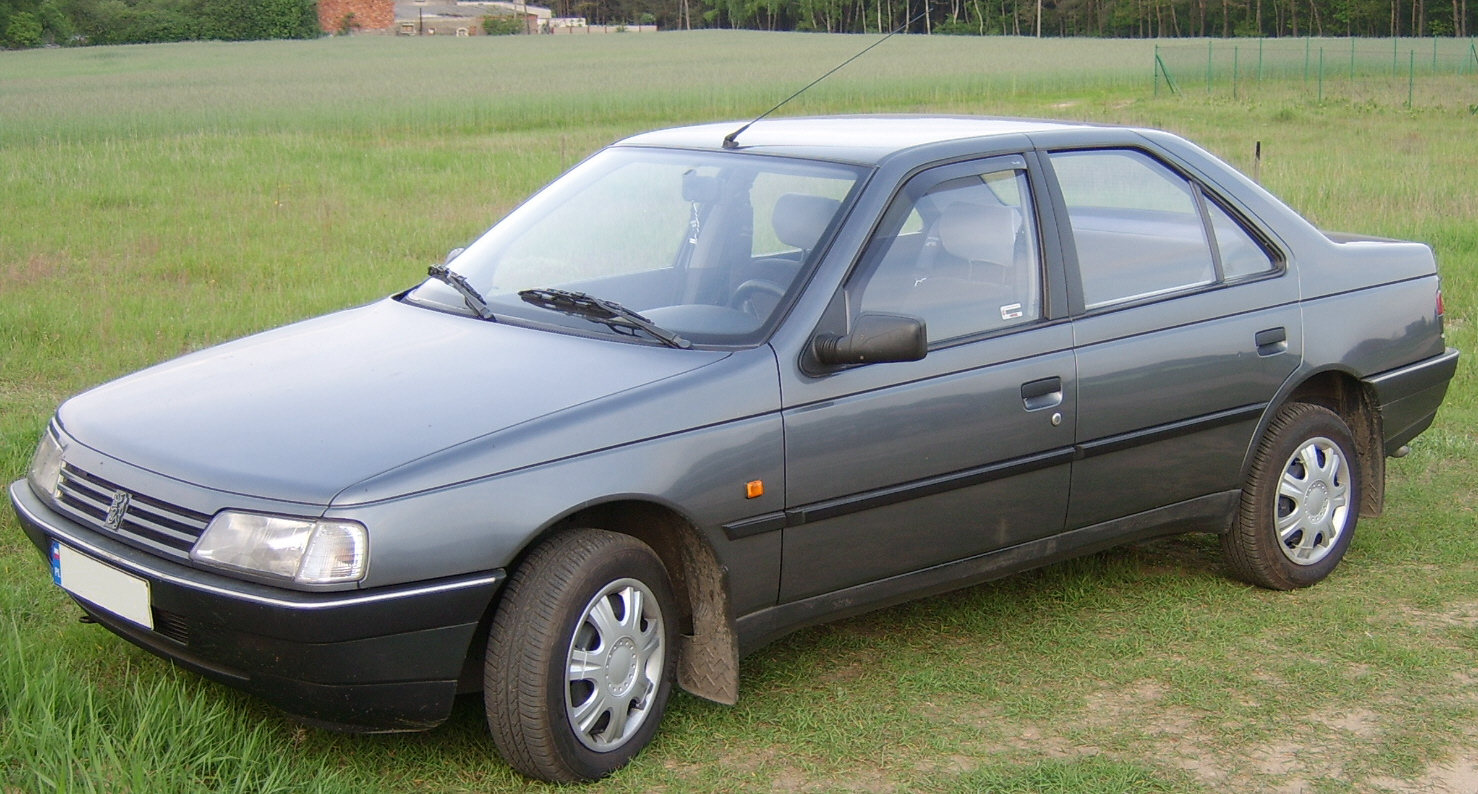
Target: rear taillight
[[1441, 310]]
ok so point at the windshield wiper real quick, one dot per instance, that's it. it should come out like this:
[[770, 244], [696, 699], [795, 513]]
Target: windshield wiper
[[459, 283], [608, 313]]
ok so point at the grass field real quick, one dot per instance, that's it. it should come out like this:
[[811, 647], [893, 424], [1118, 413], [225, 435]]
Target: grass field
[[157, 199]]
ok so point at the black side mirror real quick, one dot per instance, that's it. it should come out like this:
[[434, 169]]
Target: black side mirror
[[876, 338]]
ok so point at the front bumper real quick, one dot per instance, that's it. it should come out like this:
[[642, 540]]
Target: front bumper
[[386, 659]]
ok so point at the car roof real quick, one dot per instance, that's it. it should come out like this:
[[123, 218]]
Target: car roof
[[861, 139]]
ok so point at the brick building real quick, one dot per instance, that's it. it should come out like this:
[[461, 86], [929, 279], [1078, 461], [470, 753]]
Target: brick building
[[369, 15]]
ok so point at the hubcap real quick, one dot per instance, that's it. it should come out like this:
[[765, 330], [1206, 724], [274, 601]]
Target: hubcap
[[614, 665], [1313, 501]]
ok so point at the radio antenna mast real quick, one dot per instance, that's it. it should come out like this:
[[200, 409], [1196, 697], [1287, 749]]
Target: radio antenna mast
[[730, 141]]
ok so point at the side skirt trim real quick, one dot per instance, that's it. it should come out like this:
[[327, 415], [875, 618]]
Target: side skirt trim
[[1211, 513]]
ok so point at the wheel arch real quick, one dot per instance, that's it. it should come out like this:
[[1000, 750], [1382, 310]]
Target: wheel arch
[[1345, 394], [708, 649]]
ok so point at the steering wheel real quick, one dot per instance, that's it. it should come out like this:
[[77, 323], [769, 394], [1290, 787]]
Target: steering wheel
[[743, 298]]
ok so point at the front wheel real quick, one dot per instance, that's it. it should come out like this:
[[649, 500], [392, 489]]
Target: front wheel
[[580, 656], [1300, 502]]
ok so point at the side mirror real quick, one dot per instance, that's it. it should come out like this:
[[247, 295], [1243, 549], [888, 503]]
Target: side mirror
[[875, 339]]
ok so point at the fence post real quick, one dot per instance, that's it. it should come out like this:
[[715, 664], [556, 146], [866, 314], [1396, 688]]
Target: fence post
[[1434, 55], [1259, 59], [1157, 69], [1208, 65], [1411, 80], [1234, 71], [1352, 59], [1169, 82], [1395, 43], [1321, 75], [1306, 63]]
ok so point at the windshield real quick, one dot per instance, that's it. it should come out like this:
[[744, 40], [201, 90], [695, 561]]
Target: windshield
[[703, 244]]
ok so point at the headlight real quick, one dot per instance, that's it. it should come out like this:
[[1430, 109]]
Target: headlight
[[307, 551], [46, 466]]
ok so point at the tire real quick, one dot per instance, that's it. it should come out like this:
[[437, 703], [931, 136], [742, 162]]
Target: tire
[[1300, 503], [580, 658]]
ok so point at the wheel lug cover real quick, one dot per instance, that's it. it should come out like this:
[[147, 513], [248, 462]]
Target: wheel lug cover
[[621, 666], [1317, 501]]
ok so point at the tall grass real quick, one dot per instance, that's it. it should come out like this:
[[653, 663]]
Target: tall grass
[[156, 199], [127, 728]]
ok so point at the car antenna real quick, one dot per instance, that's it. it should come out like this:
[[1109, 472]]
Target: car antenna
[[729, 140]]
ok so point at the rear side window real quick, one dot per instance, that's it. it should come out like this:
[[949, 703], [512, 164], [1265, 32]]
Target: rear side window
[[1141, 230]]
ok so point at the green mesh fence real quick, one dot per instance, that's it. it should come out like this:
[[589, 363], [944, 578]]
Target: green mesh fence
[[1416, 72]]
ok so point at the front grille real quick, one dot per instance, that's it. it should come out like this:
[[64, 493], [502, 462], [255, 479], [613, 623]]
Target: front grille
[[168, 529], [172, 626]]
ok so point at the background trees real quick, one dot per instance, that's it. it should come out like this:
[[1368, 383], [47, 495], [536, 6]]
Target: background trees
[[1101, 18], [31, 23]]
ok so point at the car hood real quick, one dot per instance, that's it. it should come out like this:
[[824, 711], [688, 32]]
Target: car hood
[[302, 412]]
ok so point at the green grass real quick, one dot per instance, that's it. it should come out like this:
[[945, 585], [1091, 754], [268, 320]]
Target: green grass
[[157, 199]]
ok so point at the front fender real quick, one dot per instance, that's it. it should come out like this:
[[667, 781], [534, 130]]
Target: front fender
[[487, 523]]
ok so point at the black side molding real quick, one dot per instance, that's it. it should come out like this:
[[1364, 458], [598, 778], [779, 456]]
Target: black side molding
[[931, 486], [1165, 432]]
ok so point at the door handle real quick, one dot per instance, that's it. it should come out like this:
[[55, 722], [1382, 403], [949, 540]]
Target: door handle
[[1039, 394], [1272, 341]]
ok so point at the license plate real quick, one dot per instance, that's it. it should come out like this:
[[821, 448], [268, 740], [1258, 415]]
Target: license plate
[[102, 585]]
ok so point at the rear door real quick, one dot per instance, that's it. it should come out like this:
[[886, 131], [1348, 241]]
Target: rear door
[[1186, 325]]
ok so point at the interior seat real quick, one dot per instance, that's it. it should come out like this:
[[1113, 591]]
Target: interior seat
[[967, 281], [799, 220]]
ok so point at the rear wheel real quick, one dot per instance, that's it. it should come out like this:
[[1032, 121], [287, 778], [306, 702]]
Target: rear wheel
[[579, 662], [1300, 502]]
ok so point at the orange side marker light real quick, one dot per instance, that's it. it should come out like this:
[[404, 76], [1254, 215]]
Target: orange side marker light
[[754, 489]]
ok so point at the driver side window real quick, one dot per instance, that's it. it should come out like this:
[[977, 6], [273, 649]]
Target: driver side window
[[959, 252]]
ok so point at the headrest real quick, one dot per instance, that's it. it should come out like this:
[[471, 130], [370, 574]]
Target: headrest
[[800, 219], [979, 232]]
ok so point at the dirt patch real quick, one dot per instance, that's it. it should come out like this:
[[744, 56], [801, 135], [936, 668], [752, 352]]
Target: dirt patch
[[1178, 737], [1456, 616], [1035, 742], [1141, 705], [34, 270], [1361, 723], [843, 674], [863, 779], [1457, 776], [771, 764]]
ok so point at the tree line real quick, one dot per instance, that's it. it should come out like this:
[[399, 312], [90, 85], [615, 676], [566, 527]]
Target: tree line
[[31, 23], [1099, 18]]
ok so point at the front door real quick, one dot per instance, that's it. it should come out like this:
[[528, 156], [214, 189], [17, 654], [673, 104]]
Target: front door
[[892, 468]]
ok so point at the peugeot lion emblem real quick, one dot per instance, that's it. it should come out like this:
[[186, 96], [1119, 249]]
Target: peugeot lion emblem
[[118, 509]]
